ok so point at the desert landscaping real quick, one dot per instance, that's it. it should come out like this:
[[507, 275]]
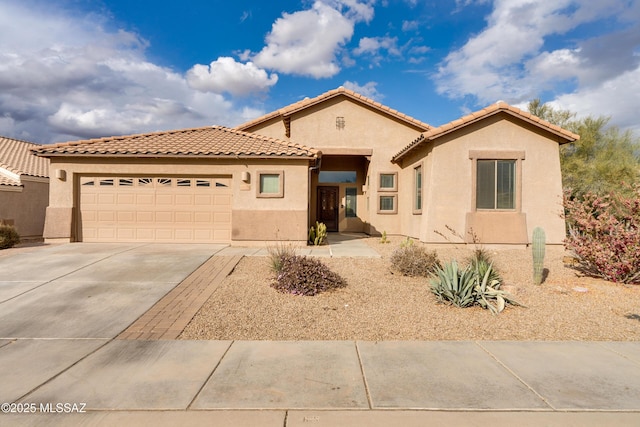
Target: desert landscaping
[[380, 304]]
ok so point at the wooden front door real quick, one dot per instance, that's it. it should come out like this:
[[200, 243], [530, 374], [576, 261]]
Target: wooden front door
[[328, 207]]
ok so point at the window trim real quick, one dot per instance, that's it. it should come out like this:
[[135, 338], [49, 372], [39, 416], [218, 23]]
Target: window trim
[[517, 156], [280, 193], [418, 210], [395, 204], [395, 181]]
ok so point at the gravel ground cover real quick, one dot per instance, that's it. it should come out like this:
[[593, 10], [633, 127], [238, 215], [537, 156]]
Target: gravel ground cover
[[378, 304]]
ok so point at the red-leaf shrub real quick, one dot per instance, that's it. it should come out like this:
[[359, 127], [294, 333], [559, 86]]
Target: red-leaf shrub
[[604, 235], [300, 275]]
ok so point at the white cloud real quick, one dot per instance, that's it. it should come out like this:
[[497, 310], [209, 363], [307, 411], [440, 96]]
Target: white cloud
[[309, 42], [373, 46], [410, 25], [227, 75], [70, 77], [522, 52], [369, 89], [616, 98]]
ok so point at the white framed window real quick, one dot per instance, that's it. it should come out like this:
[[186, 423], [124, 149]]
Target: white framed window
[[388, 181], [388, 204], [417, 189], [270, 184]]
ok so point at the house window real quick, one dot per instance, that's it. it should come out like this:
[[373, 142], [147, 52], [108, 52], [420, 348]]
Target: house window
[[337, 176], [270, 184], [387, 204], [496, 184], [388, 182], [351, 202], [417, 183]]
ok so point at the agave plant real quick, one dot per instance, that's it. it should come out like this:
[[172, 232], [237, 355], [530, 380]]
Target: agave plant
[[454, 285], [472, 285], [487, 290]]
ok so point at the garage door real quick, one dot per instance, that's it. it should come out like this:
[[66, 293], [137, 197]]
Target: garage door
[[155, 209]]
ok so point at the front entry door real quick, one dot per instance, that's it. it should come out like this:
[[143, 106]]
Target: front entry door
[[328, 207]]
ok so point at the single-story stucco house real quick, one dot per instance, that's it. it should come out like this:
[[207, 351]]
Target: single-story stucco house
[[24, 188], [340, 158]]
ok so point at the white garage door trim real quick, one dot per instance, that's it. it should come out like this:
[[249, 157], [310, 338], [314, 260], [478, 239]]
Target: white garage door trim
[[155, 209]]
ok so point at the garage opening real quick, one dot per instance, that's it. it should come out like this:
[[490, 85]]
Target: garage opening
[[155, 209]]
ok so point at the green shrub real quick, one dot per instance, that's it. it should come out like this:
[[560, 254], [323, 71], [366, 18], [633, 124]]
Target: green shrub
[[414, 260], [277, 255], [300, 275], [9, 236], [467, 287]]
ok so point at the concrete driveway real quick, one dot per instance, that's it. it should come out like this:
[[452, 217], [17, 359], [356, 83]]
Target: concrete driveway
[[86, 290]]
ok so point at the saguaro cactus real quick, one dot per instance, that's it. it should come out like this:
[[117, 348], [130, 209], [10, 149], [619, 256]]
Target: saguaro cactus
[[538, 247]]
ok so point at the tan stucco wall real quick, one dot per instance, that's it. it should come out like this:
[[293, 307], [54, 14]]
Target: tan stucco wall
[[26, 208], [365, 128], [64, 194], [449, 194]]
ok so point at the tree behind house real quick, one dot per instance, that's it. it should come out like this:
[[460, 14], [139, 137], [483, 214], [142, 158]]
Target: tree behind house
[[603, 160]]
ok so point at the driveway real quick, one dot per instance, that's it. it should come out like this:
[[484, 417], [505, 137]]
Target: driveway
[[86, 290]]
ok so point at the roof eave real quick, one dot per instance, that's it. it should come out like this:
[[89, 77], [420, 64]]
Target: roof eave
[[425, 137], [178, 156]]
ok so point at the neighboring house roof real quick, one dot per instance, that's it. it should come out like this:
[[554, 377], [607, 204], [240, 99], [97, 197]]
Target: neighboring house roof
[[289, 110], [499, 107], [212, 141], [16, 159]]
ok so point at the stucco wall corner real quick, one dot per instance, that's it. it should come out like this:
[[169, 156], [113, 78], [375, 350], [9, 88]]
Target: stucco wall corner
[[58, 223]]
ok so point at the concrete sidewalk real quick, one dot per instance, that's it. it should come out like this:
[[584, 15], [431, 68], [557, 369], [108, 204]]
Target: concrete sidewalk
[[323, 382]]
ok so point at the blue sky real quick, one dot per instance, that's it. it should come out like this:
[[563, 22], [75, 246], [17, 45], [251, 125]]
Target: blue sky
[[74, 69]]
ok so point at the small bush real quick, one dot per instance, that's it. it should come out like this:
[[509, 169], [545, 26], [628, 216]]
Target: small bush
[[9, 236], [604, 235], [300, 275], [277, 255], [414, 260]]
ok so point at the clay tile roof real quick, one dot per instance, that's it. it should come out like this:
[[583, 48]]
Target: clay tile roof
[[341, 91], [16, 159], [213, 141], [491, 110]]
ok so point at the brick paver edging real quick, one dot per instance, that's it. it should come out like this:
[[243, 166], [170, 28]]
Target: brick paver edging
[[168, 317]]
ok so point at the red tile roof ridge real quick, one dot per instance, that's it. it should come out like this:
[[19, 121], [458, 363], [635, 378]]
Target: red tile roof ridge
[[499, 106], [17, 158], [307, 102], [206, 141]]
